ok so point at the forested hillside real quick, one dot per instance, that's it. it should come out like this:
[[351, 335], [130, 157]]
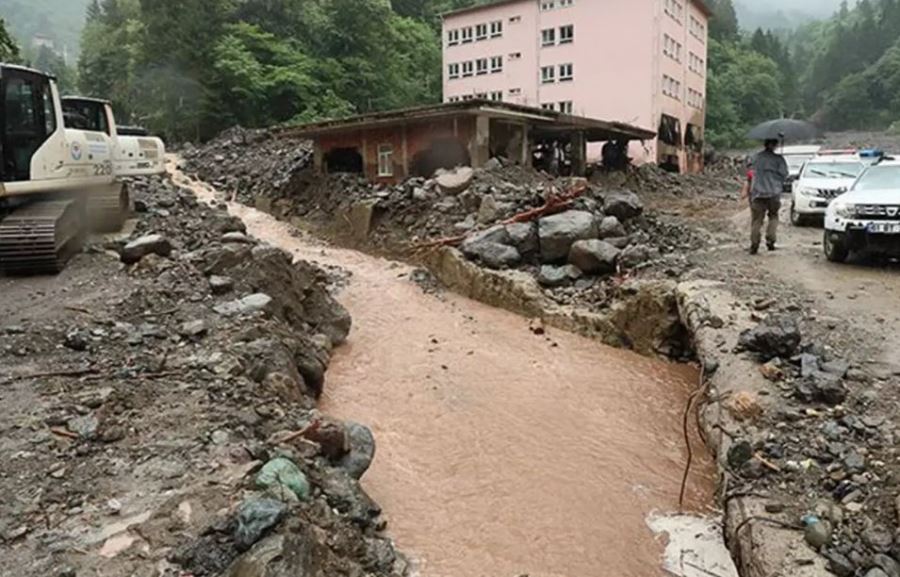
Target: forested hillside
[[59, 20]]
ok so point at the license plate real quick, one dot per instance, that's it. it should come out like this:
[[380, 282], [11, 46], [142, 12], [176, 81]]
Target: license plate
[[883, 228]]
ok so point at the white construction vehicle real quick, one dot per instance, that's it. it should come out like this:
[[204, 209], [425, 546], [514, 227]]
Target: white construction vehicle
[[134, 153], [54, 179]]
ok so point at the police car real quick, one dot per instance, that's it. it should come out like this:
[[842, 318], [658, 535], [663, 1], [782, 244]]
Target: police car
[[867, 217], [821, 180]]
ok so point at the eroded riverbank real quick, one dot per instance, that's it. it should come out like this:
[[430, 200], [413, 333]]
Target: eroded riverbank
[[501, 452]]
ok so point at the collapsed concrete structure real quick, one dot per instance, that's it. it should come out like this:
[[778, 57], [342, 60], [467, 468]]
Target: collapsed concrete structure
[[391, 146]]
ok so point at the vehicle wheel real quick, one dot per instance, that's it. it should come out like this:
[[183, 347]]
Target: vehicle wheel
[[797, 219], [835, 247]]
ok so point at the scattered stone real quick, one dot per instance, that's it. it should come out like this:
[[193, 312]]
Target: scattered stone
[[887, 564], [636, 255], [839, 564], [594, 256], [555, 276], [739, 453], [777, 336], [77, 340], [254, 519], [854, 462], [85, 426], [362, 450], [610, 227], [220, 285], [817, 534], [456, 181], [193, 329], [623, 205], [282, 472], [559, 232], [494, 255], [137, 249], [523, 236], [247, 305], [493, 164], [488, 211], [237, 238]]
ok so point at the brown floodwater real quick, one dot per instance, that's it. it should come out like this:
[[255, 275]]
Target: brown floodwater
[[500, 452]]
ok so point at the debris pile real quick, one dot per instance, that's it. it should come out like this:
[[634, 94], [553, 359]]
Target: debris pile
[[160, 411]]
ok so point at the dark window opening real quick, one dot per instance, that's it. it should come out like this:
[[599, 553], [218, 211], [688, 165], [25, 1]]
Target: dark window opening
[[344, 160], [443, 153], [693, 138], [553, 156], [670, 130], [85, 115], [27, 102]]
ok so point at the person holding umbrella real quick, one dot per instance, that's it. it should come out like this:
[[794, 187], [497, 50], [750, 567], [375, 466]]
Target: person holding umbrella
[[765, 180], [765, 183]]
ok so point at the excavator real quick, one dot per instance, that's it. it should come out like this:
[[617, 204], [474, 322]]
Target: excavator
[[58, 182]]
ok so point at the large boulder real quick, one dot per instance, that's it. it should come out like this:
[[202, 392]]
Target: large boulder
[[623, 205], [524, 236], [611, 227], [492, 247], [137, 249], [637, 255], [557, 233], [454, 181], [777, 336], [362, 450], [594, 256]]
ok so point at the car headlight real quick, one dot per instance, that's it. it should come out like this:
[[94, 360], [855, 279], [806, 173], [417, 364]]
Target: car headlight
[[806, 191], [844, 209]]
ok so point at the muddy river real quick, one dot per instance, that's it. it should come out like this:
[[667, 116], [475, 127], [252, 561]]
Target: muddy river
[[500, 452]]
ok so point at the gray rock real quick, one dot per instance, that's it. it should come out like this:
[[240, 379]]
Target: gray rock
[[345, 494], [496, 234], [854, 462], [818, 534], [559, 232], [887, 564], [454, 181], [821, 388], [876, 572], [524, 236], [594, 256], [220, 285], [237, 238], [623, 205], [636, 255], [135, 250], [879, 538], [488, 211], [362, 450], [467, 224], [495, 255], [621, 242], [555, 276], [193, 329], [839, 564], [419, 194], [281, 555], [77, 340], [86, 426], [611, 227], [809, 365], [249, 304], [777, 336], [837, 368], [254, 519], [493, 164]]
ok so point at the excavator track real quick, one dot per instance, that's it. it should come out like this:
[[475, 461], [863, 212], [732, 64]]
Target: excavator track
[[108, 208], [41, 237]]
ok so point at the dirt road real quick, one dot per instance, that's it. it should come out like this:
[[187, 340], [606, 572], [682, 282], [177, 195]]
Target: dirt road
[[501, 452]]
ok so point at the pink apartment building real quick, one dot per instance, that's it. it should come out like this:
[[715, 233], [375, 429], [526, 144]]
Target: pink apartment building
[[642, 62]]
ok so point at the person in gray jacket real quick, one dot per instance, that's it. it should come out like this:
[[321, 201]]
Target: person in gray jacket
[[764, 186]]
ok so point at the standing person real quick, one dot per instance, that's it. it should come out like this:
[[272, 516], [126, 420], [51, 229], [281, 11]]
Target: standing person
[[764, 189]]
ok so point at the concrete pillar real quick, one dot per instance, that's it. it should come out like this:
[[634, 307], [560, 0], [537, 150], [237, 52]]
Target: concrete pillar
[[318, 158], [525, 159], [480, 147], [405, 154], [579, 154]]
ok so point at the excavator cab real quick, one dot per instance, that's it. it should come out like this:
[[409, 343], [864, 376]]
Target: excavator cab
[[86, 114], [28, 119]]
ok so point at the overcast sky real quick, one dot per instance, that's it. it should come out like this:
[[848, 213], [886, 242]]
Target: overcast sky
[[814, 7]]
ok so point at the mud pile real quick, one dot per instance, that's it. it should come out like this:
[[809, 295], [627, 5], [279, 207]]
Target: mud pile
[[159, 416]]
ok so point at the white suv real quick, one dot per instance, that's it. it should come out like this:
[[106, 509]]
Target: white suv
[[821, 180], [867, 218]]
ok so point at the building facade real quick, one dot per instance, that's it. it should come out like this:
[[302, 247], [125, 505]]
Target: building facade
[[643, 62]]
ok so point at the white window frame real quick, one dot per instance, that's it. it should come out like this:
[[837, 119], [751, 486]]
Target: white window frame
[[467, 35], [548, 74], [453, 99], [497, 96], [566, 72], [548, 37], [385, 160], [481, 32], [547, 106], [481, 67], [547, 5], [566, 3], [468, 69], [497, 29], [453, 37], [515, 55], [515, 19], [496, 64], [563, 38], [515, 91], [566, 107], [453, 71]]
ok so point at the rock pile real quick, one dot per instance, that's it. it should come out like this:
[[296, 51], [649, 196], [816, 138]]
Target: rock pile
[[175, 431]]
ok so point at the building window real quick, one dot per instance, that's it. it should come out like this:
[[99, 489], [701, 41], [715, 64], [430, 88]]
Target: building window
[[675, 9], [548, 37], [548, 74], [696, 64], [467, 35], [672, 48], [496, 64], [515, 19], [698, 29], [497, 96], [497, 29], [566, 72], [453, 71], [481, 66], [567, 34], [468, 68], [481, 32], [566, 3], [547, 106], [515, 91], [548, 5], [515, 56], [452, 37], [385, 160], [481, 95], [566, 107], [453, 99], [671, 87], [695, 99]]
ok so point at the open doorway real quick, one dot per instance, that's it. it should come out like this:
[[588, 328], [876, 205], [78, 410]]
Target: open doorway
[[447, 152], [344, 160]]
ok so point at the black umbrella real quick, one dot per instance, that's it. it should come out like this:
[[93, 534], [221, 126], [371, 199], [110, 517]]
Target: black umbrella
[[784, 129]]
